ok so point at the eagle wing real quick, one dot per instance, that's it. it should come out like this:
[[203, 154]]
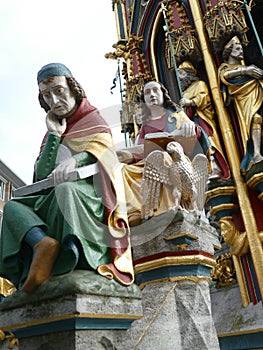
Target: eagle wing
[[200, 178], [158, 170]]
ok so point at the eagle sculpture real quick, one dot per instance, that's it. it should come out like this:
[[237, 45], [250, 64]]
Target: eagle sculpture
[[186, 179]]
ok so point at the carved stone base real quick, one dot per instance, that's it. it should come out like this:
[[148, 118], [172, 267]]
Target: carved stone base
[[177, 315], [77, 311], [173, 256], [237, 327]]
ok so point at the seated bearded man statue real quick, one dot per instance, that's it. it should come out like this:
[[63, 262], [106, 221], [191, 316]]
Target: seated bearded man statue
[[81, 224]]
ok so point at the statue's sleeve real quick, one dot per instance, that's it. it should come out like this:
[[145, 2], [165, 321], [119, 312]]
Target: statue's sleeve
[[84, 158], [47, 159]]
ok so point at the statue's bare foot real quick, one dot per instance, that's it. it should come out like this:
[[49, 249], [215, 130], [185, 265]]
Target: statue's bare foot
[[46, 252]]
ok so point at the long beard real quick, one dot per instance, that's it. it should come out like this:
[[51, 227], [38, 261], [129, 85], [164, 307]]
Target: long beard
[[185, 82]]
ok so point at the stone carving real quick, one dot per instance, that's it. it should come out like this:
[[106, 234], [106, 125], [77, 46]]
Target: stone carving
[[243, 85], [187, 179]]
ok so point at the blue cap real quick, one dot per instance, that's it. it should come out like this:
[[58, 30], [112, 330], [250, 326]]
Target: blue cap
[[51, 70]]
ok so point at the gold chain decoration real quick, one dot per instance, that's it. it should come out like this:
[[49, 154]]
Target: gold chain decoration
[[223, 273], [11, 337], [6, 287]]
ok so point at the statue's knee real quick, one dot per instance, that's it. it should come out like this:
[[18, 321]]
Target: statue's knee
[[65, 188], [10, 209]]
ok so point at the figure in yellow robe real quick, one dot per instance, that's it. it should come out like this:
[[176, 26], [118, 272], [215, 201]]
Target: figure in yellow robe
[[244, 86], [197, 101]]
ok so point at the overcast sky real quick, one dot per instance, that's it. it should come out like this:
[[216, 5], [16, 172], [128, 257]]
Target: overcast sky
[[33, 33]]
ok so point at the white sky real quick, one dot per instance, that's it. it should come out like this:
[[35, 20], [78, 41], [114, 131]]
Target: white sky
[[33, 33]]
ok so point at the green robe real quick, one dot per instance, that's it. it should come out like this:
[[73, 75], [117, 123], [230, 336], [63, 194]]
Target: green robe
[[73, 212]]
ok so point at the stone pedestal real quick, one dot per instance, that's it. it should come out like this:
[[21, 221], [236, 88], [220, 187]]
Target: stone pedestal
[[237, 327], [172, 259], [78, 311], [177, 316]]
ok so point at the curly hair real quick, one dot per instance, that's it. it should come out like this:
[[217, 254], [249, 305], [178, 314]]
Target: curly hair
[[167, 104], [227, 52], [75, 88]]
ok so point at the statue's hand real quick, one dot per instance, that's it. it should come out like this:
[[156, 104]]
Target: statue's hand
[[185, 102], [254, 72], [188, 129], [125, 156], [60, 174], [54, 125]]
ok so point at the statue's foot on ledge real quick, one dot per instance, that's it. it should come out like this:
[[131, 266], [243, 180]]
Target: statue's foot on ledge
[[77, 282], [46, 252]]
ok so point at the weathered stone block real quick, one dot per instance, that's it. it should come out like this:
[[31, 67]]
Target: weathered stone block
[[77, 310]]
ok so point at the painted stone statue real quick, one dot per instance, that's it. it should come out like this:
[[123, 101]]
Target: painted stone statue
[[244, 86], [75, 224], [187, 179], [196, 100], [162, 120]]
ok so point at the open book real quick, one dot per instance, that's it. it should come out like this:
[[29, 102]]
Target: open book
[[159, 140]]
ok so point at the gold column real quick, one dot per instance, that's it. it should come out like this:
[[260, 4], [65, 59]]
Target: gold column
[[120, 19], [231, 149]]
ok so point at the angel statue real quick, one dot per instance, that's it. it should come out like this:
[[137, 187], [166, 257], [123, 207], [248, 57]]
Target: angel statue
[[186, 179]]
